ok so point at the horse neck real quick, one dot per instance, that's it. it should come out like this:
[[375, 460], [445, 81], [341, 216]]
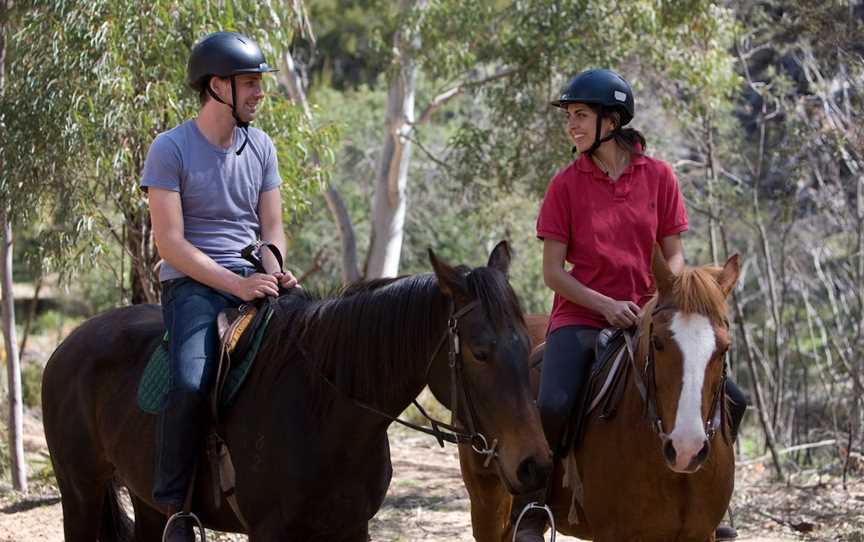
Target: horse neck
[[381, 357]]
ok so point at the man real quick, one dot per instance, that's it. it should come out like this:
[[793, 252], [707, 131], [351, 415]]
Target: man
[[213, 186]]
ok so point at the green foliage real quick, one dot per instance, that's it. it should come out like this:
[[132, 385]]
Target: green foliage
[[90, 84], [31, 385], [545, 43]]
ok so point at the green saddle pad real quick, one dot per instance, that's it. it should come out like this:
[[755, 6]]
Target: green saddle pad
[[154, 382]]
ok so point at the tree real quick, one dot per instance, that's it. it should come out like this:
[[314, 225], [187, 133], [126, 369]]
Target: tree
[[89, 86]]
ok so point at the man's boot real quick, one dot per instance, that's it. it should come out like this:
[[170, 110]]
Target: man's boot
[[533, 522], [725, 532]]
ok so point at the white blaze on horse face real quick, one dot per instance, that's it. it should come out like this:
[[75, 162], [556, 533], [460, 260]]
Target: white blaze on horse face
[[695, 337]]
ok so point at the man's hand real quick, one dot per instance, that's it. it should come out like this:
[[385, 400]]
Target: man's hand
[[286, 280], [622, 314], [256, 286]]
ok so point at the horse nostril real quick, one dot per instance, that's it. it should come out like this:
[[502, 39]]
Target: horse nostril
[[703, 453], [669, 452], [530, 474]]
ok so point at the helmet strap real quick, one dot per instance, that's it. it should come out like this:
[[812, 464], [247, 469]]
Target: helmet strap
[[233, 106], [597, 139]]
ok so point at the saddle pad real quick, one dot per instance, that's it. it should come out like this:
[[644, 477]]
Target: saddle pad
[[154, 382]]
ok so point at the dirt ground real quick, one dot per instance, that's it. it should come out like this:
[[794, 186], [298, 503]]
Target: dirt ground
[[427, 501]]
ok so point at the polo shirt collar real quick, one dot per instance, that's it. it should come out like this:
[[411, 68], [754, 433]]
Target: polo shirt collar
[[586, 165]]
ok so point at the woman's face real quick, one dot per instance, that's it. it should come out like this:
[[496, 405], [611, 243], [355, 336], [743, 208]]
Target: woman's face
[[582, 125]]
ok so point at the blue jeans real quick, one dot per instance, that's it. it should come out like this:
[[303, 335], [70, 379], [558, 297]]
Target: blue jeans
[[189, 309]]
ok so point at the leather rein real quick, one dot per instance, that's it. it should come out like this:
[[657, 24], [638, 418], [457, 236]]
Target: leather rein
[[440, 430], [648, 391]]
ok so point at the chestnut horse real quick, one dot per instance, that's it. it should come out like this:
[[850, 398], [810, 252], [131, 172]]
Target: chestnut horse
[[312, 459], [643, 481]]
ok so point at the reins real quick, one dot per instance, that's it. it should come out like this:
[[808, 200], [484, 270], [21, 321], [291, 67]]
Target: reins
[[440, 430]]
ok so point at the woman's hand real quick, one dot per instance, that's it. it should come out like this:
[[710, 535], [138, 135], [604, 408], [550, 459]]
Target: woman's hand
[[621, 314]]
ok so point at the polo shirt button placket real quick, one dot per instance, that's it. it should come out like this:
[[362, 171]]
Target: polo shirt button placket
[[621, 188]]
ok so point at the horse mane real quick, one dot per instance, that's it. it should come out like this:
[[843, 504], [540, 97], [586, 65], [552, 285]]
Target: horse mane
[[369, 339], [694, 290]]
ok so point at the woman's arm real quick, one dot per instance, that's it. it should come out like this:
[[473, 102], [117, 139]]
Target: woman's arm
[[621, 314]]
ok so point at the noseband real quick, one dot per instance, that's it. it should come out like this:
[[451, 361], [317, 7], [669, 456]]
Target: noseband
[[649, 391]]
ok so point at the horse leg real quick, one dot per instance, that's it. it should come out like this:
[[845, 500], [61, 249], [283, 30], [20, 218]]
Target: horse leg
[[83, 502], [361, 534], [149, 522]]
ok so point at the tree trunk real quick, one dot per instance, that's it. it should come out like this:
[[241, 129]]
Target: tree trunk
[[13, 363], [758, 393], [350, 269], [7, 307], [139, 244], [389, 202]]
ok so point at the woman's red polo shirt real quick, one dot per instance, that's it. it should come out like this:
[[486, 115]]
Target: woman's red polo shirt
[[610, 230]]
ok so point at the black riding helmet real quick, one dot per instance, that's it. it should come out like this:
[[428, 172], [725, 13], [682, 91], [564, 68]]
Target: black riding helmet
[[225, 54], [604, 88]]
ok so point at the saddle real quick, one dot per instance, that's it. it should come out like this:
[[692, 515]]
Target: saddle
[[605, 387], [605, 381]]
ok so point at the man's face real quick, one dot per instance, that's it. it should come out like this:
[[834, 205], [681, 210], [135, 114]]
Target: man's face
[[249, 93]]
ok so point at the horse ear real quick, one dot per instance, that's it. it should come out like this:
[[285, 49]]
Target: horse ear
[[663, 276], [500, 257], [728, 277], [451, 282]]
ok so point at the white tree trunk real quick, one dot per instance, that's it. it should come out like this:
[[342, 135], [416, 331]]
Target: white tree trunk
[[13, 364], [391, 179], [7, 308], [350, 270]]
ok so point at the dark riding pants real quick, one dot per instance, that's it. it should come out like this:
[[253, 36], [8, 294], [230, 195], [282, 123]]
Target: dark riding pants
[[567, 361], [189, 309]]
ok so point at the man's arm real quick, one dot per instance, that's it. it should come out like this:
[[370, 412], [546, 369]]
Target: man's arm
[[166, 215], [273, 231], [673, 251]]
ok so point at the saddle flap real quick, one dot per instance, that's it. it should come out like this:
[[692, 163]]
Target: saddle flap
[[236, 329]]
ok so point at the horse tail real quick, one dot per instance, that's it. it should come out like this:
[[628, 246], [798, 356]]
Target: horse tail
[[116, 524]]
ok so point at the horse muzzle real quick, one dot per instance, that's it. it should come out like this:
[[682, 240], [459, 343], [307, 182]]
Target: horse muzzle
[[685, 456]]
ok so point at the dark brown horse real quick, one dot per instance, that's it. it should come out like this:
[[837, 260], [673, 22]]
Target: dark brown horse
[[643, 481], [312, 465]]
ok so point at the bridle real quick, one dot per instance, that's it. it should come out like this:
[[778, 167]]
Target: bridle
[[648, 390], [440, 430]]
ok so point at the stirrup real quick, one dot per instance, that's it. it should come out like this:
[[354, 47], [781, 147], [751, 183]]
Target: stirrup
[[181, 515], [538, 506]]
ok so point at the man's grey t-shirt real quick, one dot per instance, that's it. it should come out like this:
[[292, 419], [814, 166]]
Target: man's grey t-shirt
[[219, 190]]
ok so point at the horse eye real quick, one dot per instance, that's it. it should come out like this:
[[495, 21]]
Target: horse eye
[[480, 355], [658, 344]]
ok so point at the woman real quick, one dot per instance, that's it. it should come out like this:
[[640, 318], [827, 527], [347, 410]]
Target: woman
[[603, 213]]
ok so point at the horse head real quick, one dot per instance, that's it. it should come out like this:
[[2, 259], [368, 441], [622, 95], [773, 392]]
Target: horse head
[[684, 337], [486, 383]]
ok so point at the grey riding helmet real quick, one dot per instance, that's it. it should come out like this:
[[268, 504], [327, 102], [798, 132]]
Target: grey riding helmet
[[604, 88], [225, 54]]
